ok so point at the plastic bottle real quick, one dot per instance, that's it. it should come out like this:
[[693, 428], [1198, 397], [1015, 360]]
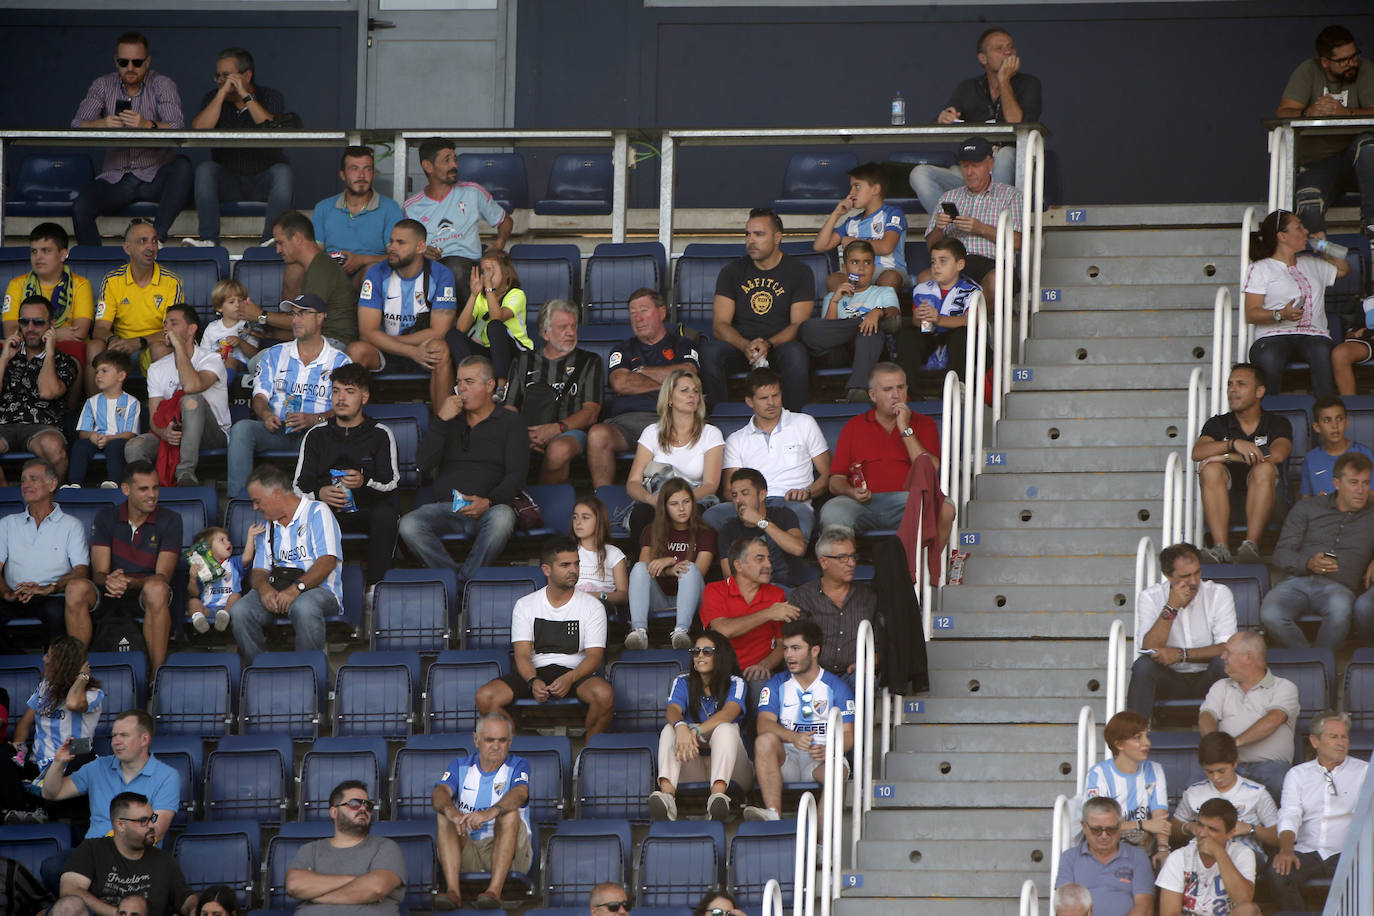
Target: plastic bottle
[[1329, 249], [898, 110]]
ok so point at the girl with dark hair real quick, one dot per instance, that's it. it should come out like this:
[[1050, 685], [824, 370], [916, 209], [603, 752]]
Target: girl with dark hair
[[717, 902], [674, 557], [704, 711], [602, 570], [492, 323], [219, 900], [1285, 299]]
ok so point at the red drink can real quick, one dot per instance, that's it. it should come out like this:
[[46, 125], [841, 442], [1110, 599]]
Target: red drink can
[[856, 476], [225, 348]]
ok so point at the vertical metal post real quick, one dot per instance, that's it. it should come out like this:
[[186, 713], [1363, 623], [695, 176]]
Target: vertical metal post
[[2, 193], [400, 157], [667, 186], [619, 188]]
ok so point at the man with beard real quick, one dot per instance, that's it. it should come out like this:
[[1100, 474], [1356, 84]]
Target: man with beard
[[104, 870], [450, 210], [36, 378], [405, 308], [352, 871], [1336, 83], [355, 226], [558, 390]]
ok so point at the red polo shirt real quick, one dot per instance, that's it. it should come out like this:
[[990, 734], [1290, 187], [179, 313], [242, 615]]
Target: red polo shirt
[[723, 599], [884, 456]]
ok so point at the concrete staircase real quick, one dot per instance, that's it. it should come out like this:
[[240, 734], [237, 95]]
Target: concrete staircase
[[975, 774]]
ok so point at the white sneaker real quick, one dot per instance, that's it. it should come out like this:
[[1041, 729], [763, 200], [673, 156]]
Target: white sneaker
[[637, 639], [71, 486], [221, 620], [200, 622], [197, 243], [755, 813], [108, 485], [718, 807], [680, 639], [265, 243], [662, 807]]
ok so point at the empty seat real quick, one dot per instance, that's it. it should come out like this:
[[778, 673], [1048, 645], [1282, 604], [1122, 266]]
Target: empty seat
[[679, 861], [614, 271], [501, 174], [579, 184], [452, 682], [46, 185], [555, 501], [582, 854], [1245, 592], [282, 692], [411, 615], [19, 676], [246, 777], [199, 269], [416, 839], [694, 283], [194, 698], [373, 694], [30, 844], [94, 262], [281, 850], [1314, 673], [641, 681], [814, 182], [550, 760], [615, 774], [332, 760], [1176, 752], [616, 498], [123, 677], [761, 850], [487, 607], [1359, 700], [239, 516], [547, 272], [186, 755], [418, 767], [219, 853], [261, 271], [819, 262]]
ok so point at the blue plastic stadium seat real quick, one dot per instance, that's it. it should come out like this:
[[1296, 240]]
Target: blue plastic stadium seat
[[196, 506], [556, 501], [219, 852], [418, 848], [123, 677], [641, 681], [694, 283], [14, 262], [30, 844], [192, 693], [451, 683], [246, 776], [411, 615], [1359, 700], [612, 276], [1176, 752], [1245, 592], [261, 271], [186, 755], [615, 774], [373, 694], [283, 692], [47, 185], [917, 257], [94, 261], [19, 676], [199, 269], [547, 272], [550, 760], [820, 263], [281, 849], [579, 185], [1314, 673], [616, 498], [332, 760], [814, 182], [602, 347], [501, 174], [238, 518], [679, 861], [583, 853], [761, 850], [487, 604], [419, 765]]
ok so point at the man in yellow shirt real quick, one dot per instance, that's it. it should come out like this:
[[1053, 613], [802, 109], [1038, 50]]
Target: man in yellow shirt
[[133, 302], [73, 304]]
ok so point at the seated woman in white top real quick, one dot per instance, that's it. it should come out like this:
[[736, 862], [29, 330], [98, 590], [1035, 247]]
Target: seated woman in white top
[[602, 570], [682, 439]]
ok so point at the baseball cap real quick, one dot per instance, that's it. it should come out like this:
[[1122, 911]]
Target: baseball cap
[[305, 301], [974, 149]]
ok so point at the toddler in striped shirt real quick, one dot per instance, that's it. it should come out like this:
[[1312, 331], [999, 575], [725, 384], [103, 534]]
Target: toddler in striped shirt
[[109, 419], [218, 596]]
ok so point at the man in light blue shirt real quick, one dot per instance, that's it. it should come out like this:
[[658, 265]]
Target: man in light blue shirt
[[353, 227], [41, 550]]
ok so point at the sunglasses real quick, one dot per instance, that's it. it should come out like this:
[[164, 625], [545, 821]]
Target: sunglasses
[[1101, 831], [33, 322], [356, 803], [807, 708], [707, 651], [134, 62], [615, 906], [717, 911]]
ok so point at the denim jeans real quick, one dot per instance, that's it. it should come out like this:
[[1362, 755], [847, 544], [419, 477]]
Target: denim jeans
[[883, 512], [1284, 889], [930, 182], [83, 449], [1364, 618], [1319, 182], [248, 620], [790, 361], [170, 188], [646, 594], [1297, 595], [216, 184], [1151, 680], [836, 335], [1268, 773], [198, 430], [422, 528], [1271, 354], [246, 439], [720, 513]]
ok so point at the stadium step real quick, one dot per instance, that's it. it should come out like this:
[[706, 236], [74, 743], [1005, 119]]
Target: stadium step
[[995, 855], [1035, 515], [1033, 405], [1218, 243], [1049, 570], [1013, 483], [1073, 542], [1066, 377], [1098, 431], [931, 906], [1147, 458], [1057, 324], [1093, 351], [915, 882], [1111, 270], [1073, 295], [1029, 739]]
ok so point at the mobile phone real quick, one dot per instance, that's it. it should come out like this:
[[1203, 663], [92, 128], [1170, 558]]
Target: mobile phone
[[949, 208], [122, 105], [1330, 554], [81, 746]]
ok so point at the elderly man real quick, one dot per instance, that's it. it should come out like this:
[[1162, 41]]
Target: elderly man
[[558, 390], [1181, 628], [43, 550], [1318, 805], [1073, 900], [1325, 547], [482, 803], [1212, 874], [1257, 708], [747, 609], [352, 871], [478, 455], [354, 226], [835, 602], [132, 303], [1116, 876], [135, 547], [760, 303], [609, 899], [635, 373], [37, 379], [296, 566], [104, 872], [134, 96]]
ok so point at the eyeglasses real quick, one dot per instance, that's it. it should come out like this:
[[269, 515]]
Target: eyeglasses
[[841, 557], [1330, 782], [1344, 61], [707, 651], [33, 322], [356, 803], [807, 707], [615, 906], [134, 62], [1102, 831], [717, 911], [140, 821]]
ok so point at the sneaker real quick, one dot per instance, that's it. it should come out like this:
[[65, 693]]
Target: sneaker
[[221, 620], [265, 243], [662, 807], [755, 813], [1217, 553], [1248, 552], [188, 480], [71, 486], [27, 817], [718, 807], [637, 639], [680, 639], [108, 485], [197, 243], [200, 622]]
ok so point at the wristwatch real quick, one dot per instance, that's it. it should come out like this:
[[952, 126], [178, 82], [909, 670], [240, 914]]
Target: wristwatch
[[249, 98], [300, 586], [1169, 613], [261, 320], [761, 524], [908, 433]]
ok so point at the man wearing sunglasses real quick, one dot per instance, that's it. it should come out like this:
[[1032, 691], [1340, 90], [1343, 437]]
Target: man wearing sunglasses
[[134, 97], [352, 871], [1337, 83], [1118, 875], [609, 897], [105, 870], [36, 378]]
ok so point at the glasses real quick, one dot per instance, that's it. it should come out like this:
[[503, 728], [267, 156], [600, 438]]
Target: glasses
[[615, 906], [33, 322], [707, 651], [356, 803], [1330, 782], [841, 557], [1344, 61], [1101, 831], [807, 707], [134, 62], [140, 821], [717, 911]]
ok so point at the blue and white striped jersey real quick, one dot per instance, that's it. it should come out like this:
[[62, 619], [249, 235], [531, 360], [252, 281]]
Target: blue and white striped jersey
[[214, 595], [281, 374], [679, 696], [476, 790], [311, 534], [110, 416], [1254, 805], [402, 301], [805, 709], [1137, 793], [50, 731]]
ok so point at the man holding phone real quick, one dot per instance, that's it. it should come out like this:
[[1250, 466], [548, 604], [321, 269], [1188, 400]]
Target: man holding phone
[[133, 97]]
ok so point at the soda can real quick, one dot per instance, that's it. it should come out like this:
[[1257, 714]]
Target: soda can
[[856, 476], [337, 476], [225, 349], [933, 302], [854, 278]]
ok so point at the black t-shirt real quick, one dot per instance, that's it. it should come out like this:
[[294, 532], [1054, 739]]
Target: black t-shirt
[[973, 99], [786, 568], [1271, 426], [763, 298], [156, 876]]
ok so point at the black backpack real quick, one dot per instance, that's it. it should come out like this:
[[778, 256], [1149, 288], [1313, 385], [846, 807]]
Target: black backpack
[[117, 633]]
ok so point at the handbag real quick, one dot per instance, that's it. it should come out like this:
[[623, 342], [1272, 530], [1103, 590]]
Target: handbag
[[527, 513], [279, 577]]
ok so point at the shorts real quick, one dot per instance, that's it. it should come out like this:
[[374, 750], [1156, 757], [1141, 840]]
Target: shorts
[[1365, 338], [129, 604], [399, 364], [632, 425], [477, 853], [799, 766], [22, 434], [977, 267], [577, 435], [546, 674]]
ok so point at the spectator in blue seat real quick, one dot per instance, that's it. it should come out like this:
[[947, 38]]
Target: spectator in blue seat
[[881, 225], [492, 322], [674, 558], [940, 309], [856, 319], [1329, 422], [1337, 83], [482, 803], [296, 567], [43, 553], [602, 570], [760, 303], [1257, 815], [1001, 95], [108, 421], [134, 96], [217, 900], [1116, 876], [37, 380], [702, 738], [354, 226], [776, 525], [478, 455], [237, 173], [1285, 299], [717, 903], [71, 295], [1134, 781], [352, 871]]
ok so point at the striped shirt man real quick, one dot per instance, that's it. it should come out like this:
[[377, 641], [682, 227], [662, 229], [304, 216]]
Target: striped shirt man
[[158, 100], [51, 730], [476, 790], [110, 416], [282, 376], [311, 534], [985, 208], [569, 382], [403, 300]]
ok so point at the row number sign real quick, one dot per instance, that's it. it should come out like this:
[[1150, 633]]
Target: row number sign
[[1075, 216]]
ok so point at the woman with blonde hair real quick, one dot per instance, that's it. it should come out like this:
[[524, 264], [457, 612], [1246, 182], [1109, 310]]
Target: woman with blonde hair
[[681, 444]]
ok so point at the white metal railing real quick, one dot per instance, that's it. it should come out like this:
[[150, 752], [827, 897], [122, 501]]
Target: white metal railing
[[1352, 887], [772, 898], [1061, 834], [1001, 321], [892, 717], [1087, 745], [1281, 159], [1032, 228], [1200, 408], [1223, 356], [1245, 331], [953, 461], [832, 812], [804, 861], [1146, 565], [1118, 663], [863, 736], [1030, 899], [975, 389], [1171, 528]]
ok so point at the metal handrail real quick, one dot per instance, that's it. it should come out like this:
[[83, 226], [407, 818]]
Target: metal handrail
[[1171, 529], [892, 717], [1032, 214], [1030, 899], [1198, 412], [804, 858], [832, 813], [1117, 666], [1352, 887], [1245, 332], [1281, 140], [953, 462], [1223, 357], [1001, 323], [1061, 834], [975, 393], [863, 735], [1146, 565], [772, 898], [1087, 746]]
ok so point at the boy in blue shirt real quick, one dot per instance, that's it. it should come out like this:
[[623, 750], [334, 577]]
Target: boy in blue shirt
[[856, 317], [108, 421], [1329, 421], [218, 595], [939, 312], [879, 223]]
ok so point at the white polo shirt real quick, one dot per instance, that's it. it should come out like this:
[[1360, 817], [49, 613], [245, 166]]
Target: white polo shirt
[[1236, 710], [783, 456]]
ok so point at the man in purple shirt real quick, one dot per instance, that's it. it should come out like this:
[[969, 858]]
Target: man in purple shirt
[[134, 96]]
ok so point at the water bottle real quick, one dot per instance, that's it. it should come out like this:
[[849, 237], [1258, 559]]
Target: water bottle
[[898, 110], [1328, 248]]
